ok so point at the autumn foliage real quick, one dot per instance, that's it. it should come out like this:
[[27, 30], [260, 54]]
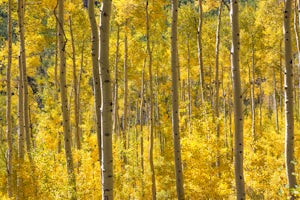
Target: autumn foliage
[[261, 55]]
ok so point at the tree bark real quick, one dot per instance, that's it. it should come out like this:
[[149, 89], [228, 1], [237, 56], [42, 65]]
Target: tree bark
[[252, 90], [116, 84], [26, 121], [142, 115], [59, 134], [21, 10], [125, 113], [76, 89], [288, 85], [238, 110], [149, 53], [21, 128], [21, 137], [216, 116], [260, 104], [275, 100], [106, 106], [200, 56], [96, 72], [9, 168], [64, 102], [175, 104]]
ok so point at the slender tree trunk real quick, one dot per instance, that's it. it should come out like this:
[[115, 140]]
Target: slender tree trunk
[[96, 72], [252, 94], [142, 115], [26, 122], [106, 106], [238, 110], [21, 136], [141, 125], [175, 104], [153, 182], [217, 81], [260, 103], [225, 110], [64, 102], [116, 84], [182, 91], [125, 113], [21, 130], [59, 134], [200, 57], [229, 101], [288, 82], [275, 100], [9, 168], [79, 88], [76, 91], [21, 15]]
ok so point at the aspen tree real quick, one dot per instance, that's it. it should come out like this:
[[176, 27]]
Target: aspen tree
[[125, 106], [59, 134], [106, 106], [252, 92], [21, 15], [288, 96], [64, 102], [141, 116], [21, 128], [9, 168], [238, 110], [217, 78], [76, 88], [151, 139], [116, 84], [23, 65], [96, 72], [200, 56], [21, 136], [175, 106]]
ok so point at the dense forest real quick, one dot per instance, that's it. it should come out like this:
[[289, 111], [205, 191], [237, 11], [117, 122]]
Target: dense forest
[[149, 99]]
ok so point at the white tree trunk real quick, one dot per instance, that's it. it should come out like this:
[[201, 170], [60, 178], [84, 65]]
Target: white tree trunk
[[153, 181], [252, 94], [288, 85], [116, 84], [125, 106], [216, 116], [96, 72], [238, 110], [106, 106], [76, 89], [64, 102], [175, 104], [8, 107], [200, 57], [21, 129]]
